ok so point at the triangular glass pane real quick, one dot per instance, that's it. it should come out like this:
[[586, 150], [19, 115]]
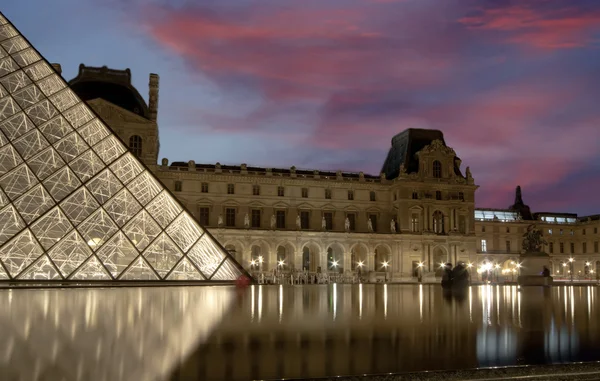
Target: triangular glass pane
[[184, 231], [144, 188], [20, 252], [206, 256], [227, 271], [10, 223], [69, 253], [78, 115], [62, 183], [79, 205], [122, 207], [45, 163], [185, 271], [50, 228], [93, 132], [109, 149], [87, 165], [34, 203], [97, 229], [42, 269], [16, 126], [163, 209], [104, 186], [126, 168], [139, 270], [142, 230], [30, 144], [117, 254], [9, 159], [56, 129], [17, 181], [162, 254], [91, 270]]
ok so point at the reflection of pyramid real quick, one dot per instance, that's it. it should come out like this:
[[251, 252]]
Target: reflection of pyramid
[[74, 203]]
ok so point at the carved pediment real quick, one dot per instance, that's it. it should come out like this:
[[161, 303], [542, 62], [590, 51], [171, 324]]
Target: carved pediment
[[111, 112], [437, 146]]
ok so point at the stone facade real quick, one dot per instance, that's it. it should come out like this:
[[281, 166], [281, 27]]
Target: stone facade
[[423, 213]]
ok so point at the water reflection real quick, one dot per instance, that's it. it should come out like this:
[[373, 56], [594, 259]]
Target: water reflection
[[330, 330], [104, 334]]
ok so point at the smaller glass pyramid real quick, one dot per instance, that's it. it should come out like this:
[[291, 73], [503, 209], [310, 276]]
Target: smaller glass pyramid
[[75, 204]]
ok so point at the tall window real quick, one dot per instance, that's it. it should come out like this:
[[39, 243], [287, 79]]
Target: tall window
[[350, 195], [204, 216], [437, 169], [583, 232], [256, 190], [280, 219], [135, 145], [561, 247], [483, 246], [438, 222], [230, 217], [230, 188], [304, 219], [177, 186], [352, 219], [328, 194], [551, 247], [508, 229], [483, 229], [255, 218], [373, 218], [414, 223], [415, 195], [508, 246], [461, 196], [328, 220], [304, 192], [595, 230], [584, 248], [204, 188], [280, 191], [372, 196], [572, 247], [438, 195], [596, 247], [462, 224]]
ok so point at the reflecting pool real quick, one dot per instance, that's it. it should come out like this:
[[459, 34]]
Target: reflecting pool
[[267, 332]]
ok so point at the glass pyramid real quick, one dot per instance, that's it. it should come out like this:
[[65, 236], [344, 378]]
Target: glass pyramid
[[75, 204]]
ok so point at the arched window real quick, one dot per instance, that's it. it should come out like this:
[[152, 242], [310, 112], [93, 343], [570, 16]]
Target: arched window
[[437, 169], [135, 145], [438, 222]]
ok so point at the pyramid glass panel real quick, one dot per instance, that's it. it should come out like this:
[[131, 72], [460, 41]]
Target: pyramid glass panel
[[74, 203]]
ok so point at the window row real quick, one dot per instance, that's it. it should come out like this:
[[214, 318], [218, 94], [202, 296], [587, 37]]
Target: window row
[[256, 191], [460, 196], [561, 247]]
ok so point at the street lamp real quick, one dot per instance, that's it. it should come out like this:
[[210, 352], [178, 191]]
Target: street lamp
[[571, 260], [385, 266], [419, 271]]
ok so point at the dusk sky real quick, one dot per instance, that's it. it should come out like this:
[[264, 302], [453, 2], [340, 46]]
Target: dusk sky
[[326, 84]]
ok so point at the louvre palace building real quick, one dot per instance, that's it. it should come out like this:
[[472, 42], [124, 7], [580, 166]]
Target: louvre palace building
[[417, 213]]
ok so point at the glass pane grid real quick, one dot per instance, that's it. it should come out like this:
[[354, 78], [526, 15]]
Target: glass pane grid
[[113, 220]]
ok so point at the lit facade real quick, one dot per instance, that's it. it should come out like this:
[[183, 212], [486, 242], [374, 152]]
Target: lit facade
[[75, 203]]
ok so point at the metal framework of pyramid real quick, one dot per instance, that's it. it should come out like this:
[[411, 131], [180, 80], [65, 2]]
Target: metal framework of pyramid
[[75, 204]]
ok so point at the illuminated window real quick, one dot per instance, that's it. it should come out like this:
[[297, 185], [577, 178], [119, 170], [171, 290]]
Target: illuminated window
[[438, 222], [437, 169], [414, 223], [483, 246], [135, 145]]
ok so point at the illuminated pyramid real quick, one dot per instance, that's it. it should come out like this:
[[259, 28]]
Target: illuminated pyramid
[[75, 204]]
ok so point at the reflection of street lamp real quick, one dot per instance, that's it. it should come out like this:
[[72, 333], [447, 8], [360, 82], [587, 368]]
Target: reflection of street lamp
[[571, 260], [496, 267], [518, 266], [587, 266], [419, 272]]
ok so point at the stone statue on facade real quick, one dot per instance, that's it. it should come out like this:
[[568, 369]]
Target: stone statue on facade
[[246, 221], [468, 175], [273, 221], [220, 220], [370, 225], [347, 224], [533, 241], [402, 169], [164, 162], [298, 222], [323, 223], [392, 226]]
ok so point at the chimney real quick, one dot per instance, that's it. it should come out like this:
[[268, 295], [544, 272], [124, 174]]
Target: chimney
[[57, 67], [153, 97]]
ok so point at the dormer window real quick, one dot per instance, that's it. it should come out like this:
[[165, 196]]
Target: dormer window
[[437, 169]]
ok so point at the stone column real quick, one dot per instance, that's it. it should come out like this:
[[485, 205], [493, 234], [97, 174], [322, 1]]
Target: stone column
[[371, 262], [298, 262]]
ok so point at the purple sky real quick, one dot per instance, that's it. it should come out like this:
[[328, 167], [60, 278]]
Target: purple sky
[[325, 84]]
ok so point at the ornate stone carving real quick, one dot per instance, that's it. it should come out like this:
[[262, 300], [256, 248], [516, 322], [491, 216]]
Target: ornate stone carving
[[164, 162], [532, 240], [437, 146], [246, 221]]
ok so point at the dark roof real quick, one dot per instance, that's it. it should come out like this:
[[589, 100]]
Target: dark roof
[[287, 171], [111, 85], [405, 145]]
